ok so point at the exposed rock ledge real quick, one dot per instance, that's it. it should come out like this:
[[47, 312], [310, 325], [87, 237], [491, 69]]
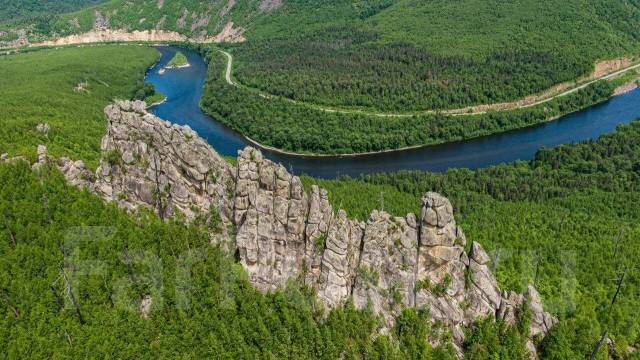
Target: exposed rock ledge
[[283, 232], [228, 34], [626, 88]]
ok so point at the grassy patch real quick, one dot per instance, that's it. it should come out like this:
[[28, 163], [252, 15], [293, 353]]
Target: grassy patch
[[68, 89], [154, 99], [179, 60]]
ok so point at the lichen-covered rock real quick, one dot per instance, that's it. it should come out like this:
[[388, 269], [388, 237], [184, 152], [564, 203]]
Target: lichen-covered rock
[[43, 128], [76, 172], [483, 293], [318, 222], [43, 158], [387, 266], [152, 163], [339, 261], [101, 21], [269, 213], [541, 321], [442, 262]]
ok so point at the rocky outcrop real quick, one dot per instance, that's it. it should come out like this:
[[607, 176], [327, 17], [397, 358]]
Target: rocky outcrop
[[152, 163], [101, 22], [270, 209], [20, 38], [228, 34], [285, 233], [626, 88], [75, 172], [386, 271], [43, 128]]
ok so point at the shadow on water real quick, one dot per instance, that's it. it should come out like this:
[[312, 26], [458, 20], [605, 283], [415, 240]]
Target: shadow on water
[[184, 88]]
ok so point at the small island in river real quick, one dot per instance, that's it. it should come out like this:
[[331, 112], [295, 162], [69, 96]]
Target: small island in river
[[177, 62]]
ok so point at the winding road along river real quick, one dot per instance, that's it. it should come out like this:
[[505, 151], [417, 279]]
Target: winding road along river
[[184, 88]]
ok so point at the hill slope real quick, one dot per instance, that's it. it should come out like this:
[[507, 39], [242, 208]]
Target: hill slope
[[392, 55], [16, 9]]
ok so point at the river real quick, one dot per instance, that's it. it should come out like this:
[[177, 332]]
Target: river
[[184, 88]]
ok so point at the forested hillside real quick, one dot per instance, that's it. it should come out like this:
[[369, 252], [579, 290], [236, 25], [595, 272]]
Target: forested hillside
[[192, 18], [566, 221], [54, 237], [392, 55], [407, 54], [11, 10], [299, 128]]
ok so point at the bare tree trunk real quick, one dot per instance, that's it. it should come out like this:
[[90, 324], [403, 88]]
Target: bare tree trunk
[[5, 296], [613, 301], [12, 236], [600, 343], [615, 297], [72, 297], [58, 299]]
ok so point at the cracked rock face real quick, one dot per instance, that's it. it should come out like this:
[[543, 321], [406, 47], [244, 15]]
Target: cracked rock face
[[270, 208], [285, 233], [339, 260], [387, 266], [154, 164]]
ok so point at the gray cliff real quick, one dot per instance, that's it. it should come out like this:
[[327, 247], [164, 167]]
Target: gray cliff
[[284, 233]]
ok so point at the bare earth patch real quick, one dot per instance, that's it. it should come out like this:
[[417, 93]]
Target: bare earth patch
[[602, 68], [628, 87], [608, 66], [228, 34]]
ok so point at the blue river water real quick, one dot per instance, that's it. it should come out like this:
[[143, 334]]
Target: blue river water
[[184, 88]]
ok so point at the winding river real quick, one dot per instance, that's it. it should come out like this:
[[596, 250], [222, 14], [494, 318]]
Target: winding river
[[184, 88]]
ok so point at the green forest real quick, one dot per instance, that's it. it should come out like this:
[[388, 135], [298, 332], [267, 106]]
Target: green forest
[[81, 278], [52, 232], [67, 89], [302, 129], [414, 55], [386, 55], [566, 220], [11, 10]]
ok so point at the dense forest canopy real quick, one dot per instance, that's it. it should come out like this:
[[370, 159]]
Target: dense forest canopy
[[303, 129], [393, 55], [15, 9], [51, 234], [566, 221]]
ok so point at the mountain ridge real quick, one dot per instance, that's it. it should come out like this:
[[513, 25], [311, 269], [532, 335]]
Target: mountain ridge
[[283, 233]]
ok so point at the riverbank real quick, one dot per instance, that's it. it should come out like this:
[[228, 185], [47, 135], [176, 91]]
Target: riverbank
[[604, 70], [295, 129], [229, 34], [626, 88], [486, 150]]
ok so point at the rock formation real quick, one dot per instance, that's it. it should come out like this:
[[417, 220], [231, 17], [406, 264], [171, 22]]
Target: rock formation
[[43, 128], [228, 34], [101, 22], [287, 234], [153, 163]]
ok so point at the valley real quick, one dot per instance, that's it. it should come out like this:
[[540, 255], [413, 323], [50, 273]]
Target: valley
[[306, 179]]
